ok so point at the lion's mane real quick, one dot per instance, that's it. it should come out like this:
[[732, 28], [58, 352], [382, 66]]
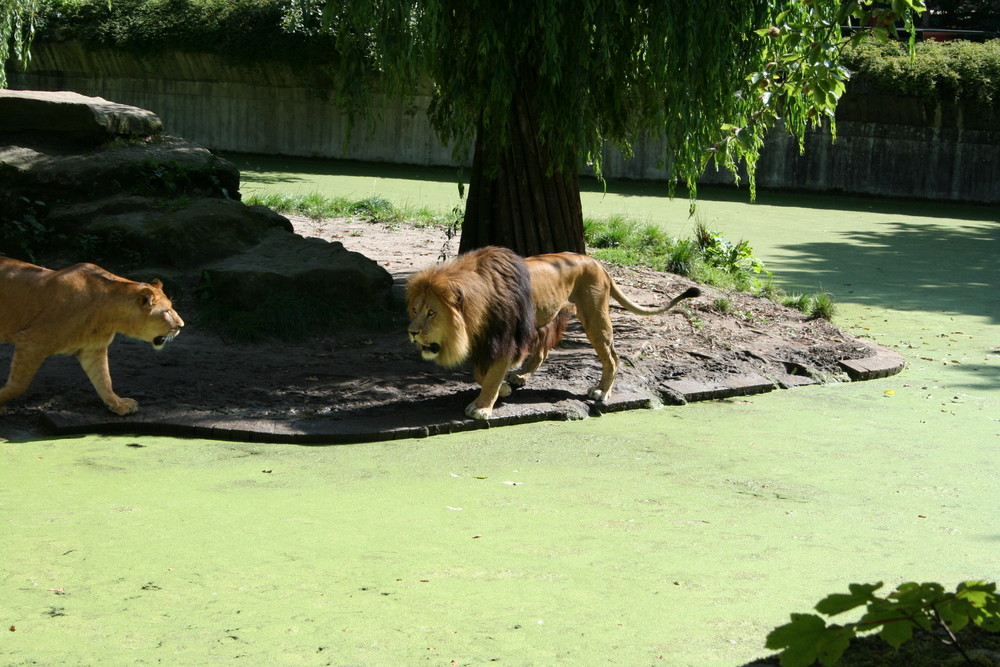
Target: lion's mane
[[487, 305]]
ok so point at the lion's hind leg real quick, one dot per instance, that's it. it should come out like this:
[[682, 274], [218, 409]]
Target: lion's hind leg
[[601, 336], [23, 367]]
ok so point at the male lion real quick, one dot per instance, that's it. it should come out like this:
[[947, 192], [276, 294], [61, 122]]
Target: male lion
[[77, 311], [467, 309]]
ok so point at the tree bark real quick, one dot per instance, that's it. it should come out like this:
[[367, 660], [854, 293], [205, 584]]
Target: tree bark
[[519, 197]]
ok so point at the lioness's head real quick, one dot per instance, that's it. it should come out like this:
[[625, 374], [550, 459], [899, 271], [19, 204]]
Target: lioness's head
[[437, 326], [160, 322]]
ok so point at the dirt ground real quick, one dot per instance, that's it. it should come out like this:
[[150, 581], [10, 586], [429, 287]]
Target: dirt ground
[[359, 384]]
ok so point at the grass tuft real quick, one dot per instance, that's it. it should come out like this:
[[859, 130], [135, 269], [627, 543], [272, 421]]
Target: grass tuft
[[706, 257]]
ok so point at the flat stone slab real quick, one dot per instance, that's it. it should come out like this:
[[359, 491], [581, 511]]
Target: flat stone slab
[[435, 416], [65, 112], [883, 364], [744, 385]]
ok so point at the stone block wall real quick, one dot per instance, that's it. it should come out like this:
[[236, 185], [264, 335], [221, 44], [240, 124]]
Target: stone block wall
[[887, 146]]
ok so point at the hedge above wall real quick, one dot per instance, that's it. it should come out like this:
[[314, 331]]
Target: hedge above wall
[[247, 31], [946, 71]]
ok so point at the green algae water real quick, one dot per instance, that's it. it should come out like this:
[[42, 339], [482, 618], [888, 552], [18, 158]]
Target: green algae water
[[678, 536]]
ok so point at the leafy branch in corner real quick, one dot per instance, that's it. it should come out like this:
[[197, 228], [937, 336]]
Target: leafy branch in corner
[[911, 607]]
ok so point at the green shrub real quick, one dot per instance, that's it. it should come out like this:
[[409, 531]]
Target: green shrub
[[611, 232], [244, 30], [313, 205], [955, 70], [683, 258], [706, 258], [923, 608]]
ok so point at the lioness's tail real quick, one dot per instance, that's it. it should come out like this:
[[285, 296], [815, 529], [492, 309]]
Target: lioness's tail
[[689, 293]]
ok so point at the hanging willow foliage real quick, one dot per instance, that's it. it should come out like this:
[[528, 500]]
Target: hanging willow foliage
[[709, 77], [17, 28]]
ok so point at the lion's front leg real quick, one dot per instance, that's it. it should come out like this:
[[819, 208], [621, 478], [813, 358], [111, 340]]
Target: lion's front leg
[[493, 385], [95, 364]]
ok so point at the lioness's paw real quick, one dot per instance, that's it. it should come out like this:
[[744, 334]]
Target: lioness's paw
[[598, 394], [475, 412], [126, 406]]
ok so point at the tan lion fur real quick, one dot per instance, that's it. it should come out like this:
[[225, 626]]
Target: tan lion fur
[[564, 284], [78, 311]]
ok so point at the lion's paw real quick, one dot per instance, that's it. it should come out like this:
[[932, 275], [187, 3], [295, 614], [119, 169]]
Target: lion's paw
[[515, 381], [504, 390], [473, 411], [126, 406], [598, 394]]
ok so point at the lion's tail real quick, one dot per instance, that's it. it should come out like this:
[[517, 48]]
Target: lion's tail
[[689, 293]]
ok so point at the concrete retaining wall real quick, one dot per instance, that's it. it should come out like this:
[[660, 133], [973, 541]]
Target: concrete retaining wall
[[886, 146]]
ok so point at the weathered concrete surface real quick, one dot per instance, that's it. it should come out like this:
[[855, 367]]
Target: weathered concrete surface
[[905, 147]]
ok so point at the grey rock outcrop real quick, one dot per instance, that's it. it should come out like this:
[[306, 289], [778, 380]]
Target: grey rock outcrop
[[285, 264], [84, 179], [85, 118]]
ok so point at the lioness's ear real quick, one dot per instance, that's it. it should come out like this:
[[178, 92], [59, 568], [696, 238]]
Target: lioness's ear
[[156, 283], [147, 297]]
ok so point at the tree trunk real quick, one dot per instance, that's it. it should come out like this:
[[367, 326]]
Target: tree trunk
[[518, 196]]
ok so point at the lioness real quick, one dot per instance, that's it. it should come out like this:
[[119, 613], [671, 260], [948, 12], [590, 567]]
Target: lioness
[[466, 309], [78, 311]]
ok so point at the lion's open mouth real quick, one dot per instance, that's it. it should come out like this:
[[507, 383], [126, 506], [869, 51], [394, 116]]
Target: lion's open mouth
[[433, 348]]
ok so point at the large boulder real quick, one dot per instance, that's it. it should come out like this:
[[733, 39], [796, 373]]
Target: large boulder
[[41, 169], [299, 270], [84, 179], [129, 229], [73, 115]]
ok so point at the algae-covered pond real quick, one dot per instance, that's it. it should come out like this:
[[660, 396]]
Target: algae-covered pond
[[679, 536]]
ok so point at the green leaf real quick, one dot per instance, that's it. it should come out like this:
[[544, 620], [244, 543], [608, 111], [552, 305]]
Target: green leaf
[[838, 603], [979, 594], [955, 613], [798, 639], [745, 138], [897, 632], [833, 643], [915, 595]]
